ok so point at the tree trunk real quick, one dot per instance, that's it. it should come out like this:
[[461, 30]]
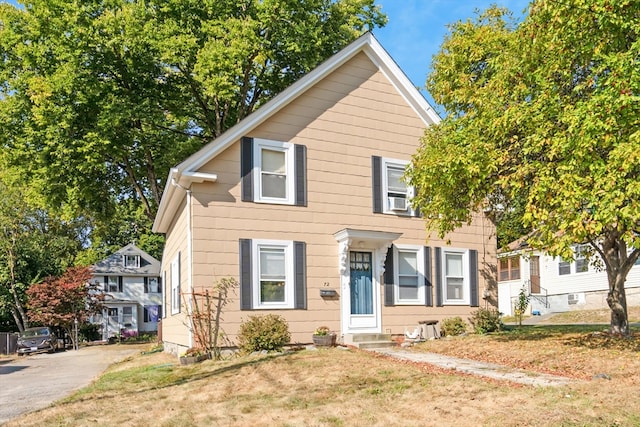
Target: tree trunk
[[618, 263], [617, 300]]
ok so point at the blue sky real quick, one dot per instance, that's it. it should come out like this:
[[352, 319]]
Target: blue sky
[[416, 29]]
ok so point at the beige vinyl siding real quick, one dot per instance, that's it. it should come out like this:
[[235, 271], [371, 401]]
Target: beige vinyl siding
[[173, 330], [353, 114]]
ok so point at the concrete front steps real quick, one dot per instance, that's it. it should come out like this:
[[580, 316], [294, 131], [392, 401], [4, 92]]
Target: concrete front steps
[[366, 341]]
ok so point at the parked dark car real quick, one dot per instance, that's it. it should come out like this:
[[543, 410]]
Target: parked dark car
[[34, 340]]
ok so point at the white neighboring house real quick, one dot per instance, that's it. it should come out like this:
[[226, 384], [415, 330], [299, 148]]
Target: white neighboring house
[[556, 285], [130, 279]]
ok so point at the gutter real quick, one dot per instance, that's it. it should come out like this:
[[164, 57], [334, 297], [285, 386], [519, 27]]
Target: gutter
[[184, 182]]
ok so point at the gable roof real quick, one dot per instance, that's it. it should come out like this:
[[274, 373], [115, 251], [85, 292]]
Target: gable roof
[[186, 173], [113, 263]]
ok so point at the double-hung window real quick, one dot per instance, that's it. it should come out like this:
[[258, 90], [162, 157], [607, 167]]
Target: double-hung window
[[454, 278], [391, 194], [407, 276], [175, 285], [127, 316], [272, 274], [457, 277], [151, 285], [273, 172], [410, 275], [113, 284], [131, 261], [564, 266], [509, 268]]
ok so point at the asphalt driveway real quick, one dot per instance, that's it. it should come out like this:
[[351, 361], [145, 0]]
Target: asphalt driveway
[[29, 383]]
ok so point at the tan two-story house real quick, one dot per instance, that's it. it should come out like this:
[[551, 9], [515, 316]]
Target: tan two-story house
[[303, 203]]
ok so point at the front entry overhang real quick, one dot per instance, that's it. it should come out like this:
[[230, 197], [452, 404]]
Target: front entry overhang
[[377, 243]]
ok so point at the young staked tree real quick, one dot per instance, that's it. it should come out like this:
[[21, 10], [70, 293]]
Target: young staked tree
[[545, 111], [61, 301]]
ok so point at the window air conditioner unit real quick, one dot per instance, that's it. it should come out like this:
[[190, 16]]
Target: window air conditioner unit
[[398, 204]]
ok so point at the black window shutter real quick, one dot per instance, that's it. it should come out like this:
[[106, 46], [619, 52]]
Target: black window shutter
[[428, 284], [146, 286], [119, 283], [300, 175], [246, 168], [106, 283], [376, 184], [473, 278], [300, 275], [438, 280], [388, 278], [245, 274]]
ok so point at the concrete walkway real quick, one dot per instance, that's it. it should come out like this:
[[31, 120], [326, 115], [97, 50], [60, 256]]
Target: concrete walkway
[[484, 369]]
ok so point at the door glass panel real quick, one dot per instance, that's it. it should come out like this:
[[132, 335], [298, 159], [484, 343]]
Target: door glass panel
[[361, 283]]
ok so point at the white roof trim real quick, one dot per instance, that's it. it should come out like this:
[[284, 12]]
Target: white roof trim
[[366, 236], [367, 43]]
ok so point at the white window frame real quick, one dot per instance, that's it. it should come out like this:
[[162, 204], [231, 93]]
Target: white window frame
[[386, 205], [420, 253], [148, 288], [127, 317], [566, 264], [113, 282], [466, 278], [175, 285], [126, 261], [289, 291], [288, 150]]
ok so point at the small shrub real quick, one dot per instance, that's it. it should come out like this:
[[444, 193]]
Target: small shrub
[[89, 332], [453, 326], [270, 332], [486, 320]]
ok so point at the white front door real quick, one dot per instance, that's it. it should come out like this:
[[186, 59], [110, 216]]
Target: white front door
[[361, 304]]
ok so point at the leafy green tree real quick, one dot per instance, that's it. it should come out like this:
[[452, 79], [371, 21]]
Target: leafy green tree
[[98, 99], [546, 111], [33, 244]]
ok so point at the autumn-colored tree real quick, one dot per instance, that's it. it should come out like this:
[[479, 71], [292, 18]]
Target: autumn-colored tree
[[60, 301], [544, 112]]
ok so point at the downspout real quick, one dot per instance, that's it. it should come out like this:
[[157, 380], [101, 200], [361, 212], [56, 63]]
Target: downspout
[[189, 257]]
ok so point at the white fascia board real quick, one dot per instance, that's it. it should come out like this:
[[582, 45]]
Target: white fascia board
[[168, 204], [401, 82], [171, 197]]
